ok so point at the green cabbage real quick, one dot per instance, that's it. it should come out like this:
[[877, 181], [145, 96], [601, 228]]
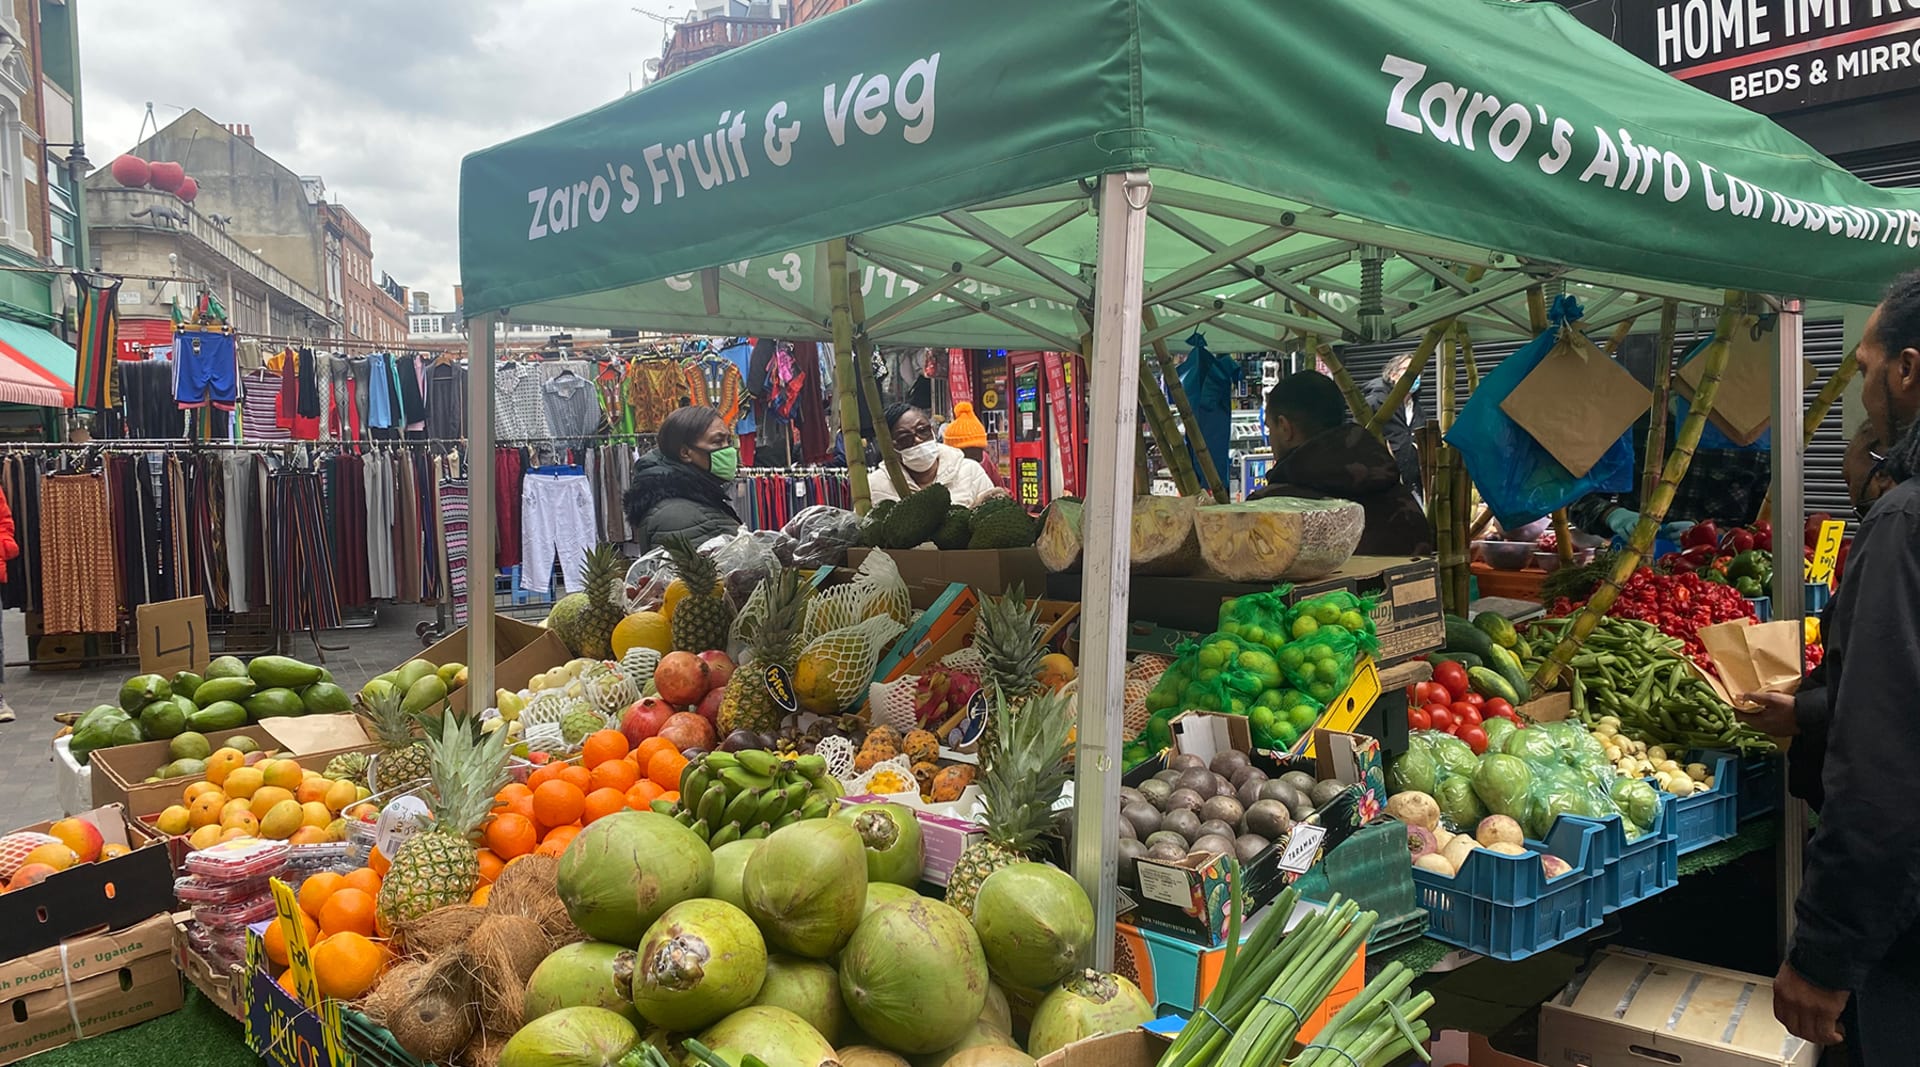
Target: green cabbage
[[1637, 801], [1502, 784], [1458, 804], [1453, 756], [1412, 772]]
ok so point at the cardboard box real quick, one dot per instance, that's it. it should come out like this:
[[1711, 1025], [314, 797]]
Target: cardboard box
[[520, 651], [991, 571], [1630, 1008], [120, 773], [114, 894], [1473, 1050], [100, 983], [58, 652], [1134, 1048]]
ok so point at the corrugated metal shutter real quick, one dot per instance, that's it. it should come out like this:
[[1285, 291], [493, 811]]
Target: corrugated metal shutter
[[1888, 173]]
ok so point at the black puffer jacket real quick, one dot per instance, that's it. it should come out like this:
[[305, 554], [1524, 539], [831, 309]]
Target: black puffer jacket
[[667, 498], [1399, 432]]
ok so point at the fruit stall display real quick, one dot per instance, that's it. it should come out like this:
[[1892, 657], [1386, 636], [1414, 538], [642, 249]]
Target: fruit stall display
[[229, 694]]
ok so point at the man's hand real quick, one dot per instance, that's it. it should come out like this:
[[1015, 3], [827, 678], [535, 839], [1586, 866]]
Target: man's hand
[[1774, 716], [1806, 1010]]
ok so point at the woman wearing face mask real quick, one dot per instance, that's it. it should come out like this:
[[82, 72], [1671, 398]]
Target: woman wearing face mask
[[926, 461], [682, 487]]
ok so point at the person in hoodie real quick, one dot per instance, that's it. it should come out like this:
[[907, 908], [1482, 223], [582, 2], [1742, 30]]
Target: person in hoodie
[[683, 487], [1317, 453], [1399, 424]]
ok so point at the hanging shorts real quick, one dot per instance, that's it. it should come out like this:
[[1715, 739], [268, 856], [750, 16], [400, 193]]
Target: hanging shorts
[[205, 370]]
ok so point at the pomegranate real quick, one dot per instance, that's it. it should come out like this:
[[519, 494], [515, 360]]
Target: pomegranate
[[688, 731], [644, 719], [719, 668], [709, 708], [681, 678]]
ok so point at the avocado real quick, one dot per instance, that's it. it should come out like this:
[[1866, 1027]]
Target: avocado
[[141, 690], [322, 698], [190, 745], [219, 715], [226, 667], [282, 672], [162, 720], [185, 683], [272, 703], [185, 768], [214, 690]]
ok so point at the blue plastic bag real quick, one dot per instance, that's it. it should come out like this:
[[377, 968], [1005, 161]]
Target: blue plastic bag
[[1518, 479], [1209, 380]]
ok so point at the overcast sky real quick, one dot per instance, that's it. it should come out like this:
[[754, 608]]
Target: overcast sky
[[380, 99]]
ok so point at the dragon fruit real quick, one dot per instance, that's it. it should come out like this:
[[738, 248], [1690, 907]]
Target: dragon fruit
[[941, 693]]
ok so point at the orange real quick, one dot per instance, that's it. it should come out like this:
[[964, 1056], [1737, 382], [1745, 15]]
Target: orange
[[642, 795], [223, 763], [558, 803], [316, 889], [285, 982], [490, 865], [671, 796], [378, 863], [267, 797], [511, 834], [481, 895], [618, 775], [198, 788], [521, 806], [365, 879], [577, 776], [557, 841], [276, 937], [205, 810], [284, 773], [665, 767], [348, 910], [347, 964], [602, 746], [243, 782], [509, 793], [648, 747], [601, 803], [543, 774]]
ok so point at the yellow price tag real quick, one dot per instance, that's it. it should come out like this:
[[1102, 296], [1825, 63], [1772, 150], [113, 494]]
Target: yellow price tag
[[286, 905], [1826, 554], [1347, 709]]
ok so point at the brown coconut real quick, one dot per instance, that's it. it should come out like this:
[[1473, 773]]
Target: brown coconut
[[500, 957], [439, 930], [530, 887], [484, 1049], [428, 1006]]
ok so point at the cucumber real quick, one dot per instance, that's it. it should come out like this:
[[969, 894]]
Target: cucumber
[[1509, 667], [1464, 659], [1488, 683], [1498, 627], [1463, 636]]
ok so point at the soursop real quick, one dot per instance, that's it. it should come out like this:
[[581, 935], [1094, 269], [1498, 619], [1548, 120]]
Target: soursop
[[955, 531], [913, 521]]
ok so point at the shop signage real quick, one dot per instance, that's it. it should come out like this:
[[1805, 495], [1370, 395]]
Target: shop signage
[[1779, 55], [959, 376], [1062, 420]]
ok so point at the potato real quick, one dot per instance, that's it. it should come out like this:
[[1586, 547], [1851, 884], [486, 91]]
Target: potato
[[1458, 850], [1507, 848], [1437, 863]]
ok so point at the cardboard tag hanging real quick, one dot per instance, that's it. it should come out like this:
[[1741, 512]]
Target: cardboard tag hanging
[[1577, 402], [1743, 405]]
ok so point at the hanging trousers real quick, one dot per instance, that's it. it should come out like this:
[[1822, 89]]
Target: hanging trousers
[[556, 516], [76, 564]]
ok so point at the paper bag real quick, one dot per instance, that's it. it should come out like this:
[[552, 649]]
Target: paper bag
[[1743, 405], [1577, 402], [1753, 658]]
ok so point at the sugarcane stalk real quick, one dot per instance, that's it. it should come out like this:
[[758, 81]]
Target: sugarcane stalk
[[1396, 396], [1465, 335], [839, 288], [1462, 500], [1562, 536], [1449, 354], [1356, 398], [1653, 511], [1440, 515], [1537, 307], [1480, 523], [1170, 376], [863, 351], [1619, 337], [1816, 414], [1166, 435], [1662, 389]]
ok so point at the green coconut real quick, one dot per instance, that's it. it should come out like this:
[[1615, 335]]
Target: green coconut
[[868, 1056], [1035, 923], [585, 974], [571, 1037], [809, 989], [1002, 1055], [914, 975], [624, 871], [1087, 1004], [891, 836], [729, 868], [776, 1036], [807, 887], [879, 893], [700, 961], [981, 1034]]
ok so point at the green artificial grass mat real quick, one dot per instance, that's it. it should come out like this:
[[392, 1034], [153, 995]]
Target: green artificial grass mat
[[1761, 833], [199, 1033]]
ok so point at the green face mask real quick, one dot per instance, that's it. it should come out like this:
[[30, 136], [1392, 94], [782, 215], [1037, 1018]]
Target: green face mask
[[724, 463]]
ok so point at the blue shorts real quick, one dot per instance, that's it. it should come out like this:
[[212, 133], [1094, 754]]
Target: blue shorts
[[204, 369]]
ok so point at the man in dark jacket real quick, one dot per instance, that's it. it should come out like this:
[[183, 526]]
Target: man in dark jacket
[[1399, 423], [1318, 453], [1858, 932]]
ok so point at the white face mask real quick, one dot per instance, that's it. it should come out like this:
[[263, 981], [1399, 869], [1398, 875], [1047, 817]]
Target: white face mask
[[921, 457]]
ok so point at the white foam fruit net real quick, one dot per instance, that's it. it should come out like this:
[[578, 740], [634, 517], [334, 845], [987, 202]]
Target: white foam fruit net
[[876, 590], [611, 692], [839, 754], [638, 665], [892, 703], [900, 765], [969, 660], [835, 669], [547, 708]]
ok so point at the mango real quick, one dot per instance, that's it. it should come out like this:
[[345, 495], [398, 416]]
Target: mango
[[427, 692], [282, 672], [410, 672]]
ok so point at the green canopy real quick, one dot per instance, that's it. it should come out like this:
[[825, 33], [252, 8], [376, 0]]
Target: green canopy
[[953, 141]]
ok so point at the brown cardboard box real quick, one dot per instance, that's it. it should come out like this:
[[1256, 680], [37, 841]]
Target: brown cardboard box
[[1134, 1048], [113, 893], [1631, 1008], [104, 982], [520, 651], [120, 773], [991, 571]]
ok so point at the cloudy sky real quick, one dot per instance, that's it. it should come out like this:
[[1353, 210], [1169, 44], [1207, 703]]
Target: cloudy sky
[[381, 99]]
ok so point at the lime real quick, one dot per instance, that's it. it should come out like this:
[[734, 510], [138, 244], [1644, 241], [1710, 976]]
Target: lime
[[1353, 620], [1305, 626], [1302, 716]]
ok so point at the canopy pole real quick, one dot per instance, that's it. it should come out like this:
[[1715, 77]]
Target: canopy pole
[[1789, 574], [480, 509], [863, 356], [838, 285], [1113, 428]]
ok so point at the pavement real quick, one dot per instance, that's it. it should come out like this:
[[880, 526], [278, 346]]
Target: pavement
[[26, 753]]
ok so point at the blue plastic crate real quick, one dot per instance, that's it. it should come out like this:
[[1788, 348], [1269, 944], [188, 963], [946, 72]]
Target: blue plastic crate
[[1632, 871], [1709, 817], [1763, 785], [1506, 907]]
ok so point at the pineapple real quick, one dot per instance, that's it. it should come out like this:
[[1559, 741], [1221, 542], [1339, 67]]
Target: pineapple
[[702, 617], [773, 637], [440, 864], [585, 621], [1007, 636], [403, 758], [1018, 791]]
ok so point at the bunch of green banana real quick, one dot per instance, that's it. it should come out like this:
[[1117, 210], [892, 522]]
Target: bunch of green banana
[[735, 796]]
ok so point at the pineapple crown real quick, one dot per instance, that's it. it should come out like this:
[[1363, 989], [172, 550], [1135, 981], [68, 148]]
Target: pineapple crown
[[604, 569], [1007, 636], [380, 703], [773, 635], [697, 571], [467, 770], [1028, 771]]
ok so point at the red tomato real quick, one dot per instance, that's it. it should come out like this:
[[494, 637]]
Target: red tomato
[[1418, 719], [1465, 714], [1499, 707], [1441, 717], [1453, 676], [1476, 739], [1431, 693], [1475, 699]]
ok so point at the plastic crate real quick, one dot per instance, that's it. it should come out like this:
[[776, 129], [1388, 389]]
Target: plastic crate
[[1763, 786], [1707, 818], [1632, 871], [1506, 907]]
